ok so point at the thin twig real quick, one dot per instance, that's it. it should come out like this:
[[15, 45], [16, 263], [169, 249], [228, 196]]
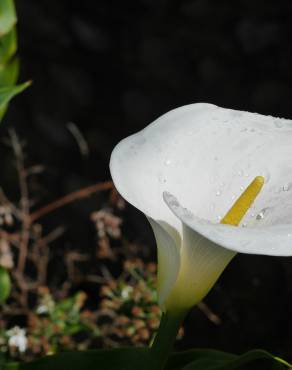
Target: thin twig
[[75, 195], [24, 201], [10, 237], [215, 319], [79, 137]]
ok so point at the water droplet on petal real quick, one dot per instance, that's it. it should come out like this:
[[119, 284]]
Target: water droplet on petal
[[167, 162], [218, 193], [286, 187], [262, 213]]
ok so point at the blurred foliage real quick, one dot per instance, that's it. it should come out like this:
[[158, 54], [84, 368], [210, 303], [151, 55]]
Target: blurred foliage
[[52, 326], [5, 284], [127, 314], [129, 307], [9, 64]]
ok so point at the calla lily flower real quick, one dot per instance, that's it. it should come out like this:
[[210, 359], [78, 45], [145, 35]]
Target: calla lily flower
[[184, 172]]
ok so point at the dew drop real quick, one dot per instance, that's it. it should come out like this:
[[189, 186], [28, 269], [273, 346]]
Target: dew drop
[[161, 179], [167, 162], [286, 187], [240, 173], [244, 224], [262, 213], [260, 216], [218, 193]]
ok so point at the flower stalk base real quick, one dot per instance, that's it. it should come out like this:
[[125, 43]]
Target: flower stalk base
[[165, 338]]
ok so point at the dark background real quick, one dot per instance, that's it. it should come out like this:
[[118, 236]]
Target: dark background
[[112, 67]]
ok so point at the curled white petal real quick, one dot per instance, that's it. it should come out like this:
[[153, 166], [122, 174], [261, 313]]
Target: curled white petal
[[274, 240], [202, 262], [168, 259]]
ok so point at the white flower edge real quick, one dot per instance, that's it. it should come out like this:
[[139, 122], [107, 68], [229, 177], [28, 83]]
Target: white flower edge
[[274, 240]]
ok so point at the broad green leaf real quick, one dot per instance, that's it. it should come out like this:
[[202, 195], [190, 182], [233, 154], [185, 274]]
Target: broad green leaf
[[7, 93], [8, 46], [114, 359], [209, 363], [5, 284], [179, 359], [7, 16], [10, 366], [9, 73]]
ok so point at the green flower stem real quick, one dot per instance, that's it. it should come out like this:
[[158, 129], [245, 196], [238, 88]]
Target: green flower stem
[[165, 338]]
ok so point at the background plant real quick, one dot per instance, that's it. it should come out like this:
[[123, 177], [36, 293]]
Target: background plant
[[9, 63]]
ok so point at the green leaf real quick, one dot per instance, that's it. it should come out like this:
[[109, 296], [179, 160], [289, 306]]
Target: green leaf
[[10, 366], [7, 16], [8, 46], [114, 359], [5, 284], [7, 93], [9, 73], [217, 362], [180, 359]]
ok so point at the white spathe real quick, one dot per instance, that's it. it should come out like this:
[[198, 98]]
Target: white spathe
[[185, 171]]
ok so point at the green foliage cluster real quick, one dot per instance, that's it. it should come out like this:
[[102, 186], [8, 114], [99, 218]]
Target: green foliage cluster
[[9, 63], [53, 324], [51, 328], [129, 306]]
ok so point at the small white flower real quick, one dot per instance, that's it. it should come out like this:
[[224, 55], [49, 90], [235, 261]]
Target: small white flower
[[202, 157], [42, 309], [17, 338]]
